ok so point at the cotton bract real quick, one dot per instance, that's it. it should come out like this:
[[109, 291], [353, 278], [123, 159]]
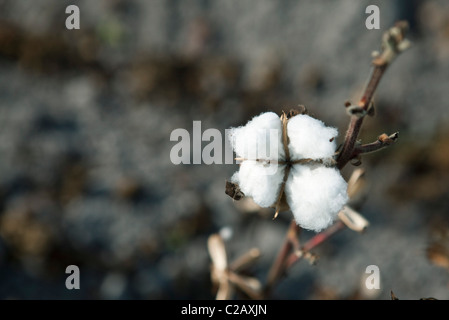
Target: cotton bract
[[314, 192]]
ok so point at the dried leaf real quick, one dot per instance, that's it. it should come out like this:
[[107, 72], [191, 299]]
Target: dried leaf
[[352, 219], [285, 141], [249, 285], [294, 112], [245, 260], [217, 252], [356, 182], [225, 290], [233, 190]]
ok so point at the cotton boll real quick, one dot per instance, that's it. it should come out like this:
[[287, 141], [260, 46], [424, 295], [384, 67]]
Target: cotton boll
[[259, 181], [315, 195], [310, 138], [260, 138]]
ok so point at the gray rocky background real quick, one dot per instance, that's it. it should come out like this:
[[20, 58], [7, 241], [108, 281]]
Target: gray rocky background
[[85, 123]]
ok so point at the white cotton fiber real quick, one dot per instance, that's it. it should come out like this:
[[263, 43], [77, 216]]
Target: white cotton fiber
[[260, 138], [310, 138], [261, 182], [315, 195]]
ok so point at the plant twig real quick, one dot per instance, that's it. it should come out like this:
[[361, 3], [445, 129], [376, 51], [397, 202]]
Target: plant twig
[[393, 42], [312, 243], [382, 141], [278, 267], [290, 252], [227, 278]]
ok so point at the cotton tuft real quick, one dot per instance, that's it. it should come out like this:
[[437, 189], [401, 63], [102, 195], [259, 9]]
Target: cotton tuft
[[258, 179], [310, 138], [315, 193], [253, 141]]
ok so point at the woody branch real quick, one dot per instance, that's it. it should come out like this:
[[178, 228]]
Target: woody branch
[[393, 43]]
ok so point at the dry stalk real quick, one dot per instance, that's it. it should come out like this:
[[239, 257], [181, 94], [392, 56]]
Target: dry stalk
[[393, 43]]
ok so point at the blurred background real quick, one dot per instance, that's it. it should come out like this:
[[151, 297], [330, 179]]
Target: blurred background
[[85, 122]]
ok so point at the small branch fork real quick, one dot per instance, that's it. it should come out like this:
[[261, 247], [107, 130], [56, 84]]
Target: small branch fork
[[291, 251], [393, 43], [382, 141]]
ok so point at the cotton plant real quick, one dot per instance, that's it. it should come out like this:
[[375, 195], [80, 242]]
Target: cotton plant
[[292, 162], [298, 172]]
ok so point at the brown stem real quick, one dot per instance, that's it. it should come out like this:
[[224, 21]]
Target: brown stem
[[278, 266], [393, 42], [324, 235], [286, 258], [372, 84], [355, 124], [382, 142], [313, 242]]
